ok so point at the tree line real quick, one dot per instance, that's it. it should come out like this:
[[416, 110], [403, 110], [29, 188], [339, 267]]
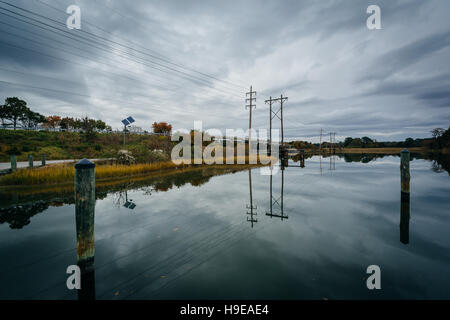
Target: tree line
[[16, 114], [440, 139]]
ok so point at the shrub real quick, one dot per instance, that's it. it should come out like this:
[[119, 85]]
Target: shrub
[[53, 153]]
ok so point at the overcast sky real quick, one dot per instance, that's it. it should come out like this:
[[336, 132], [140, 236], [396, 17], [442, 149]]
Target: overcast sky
[[186, 60]]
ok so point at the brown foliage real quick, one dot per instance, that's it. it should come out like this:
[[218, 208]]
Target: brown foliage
[[162, 127]]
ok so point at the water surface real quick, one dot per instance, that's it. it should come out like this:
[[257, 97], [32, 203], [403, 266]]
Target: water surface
[[201, 236]]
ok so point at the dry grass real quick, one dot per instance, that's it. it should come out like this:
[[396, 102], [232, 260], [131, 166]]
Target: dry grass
[[63, 174]]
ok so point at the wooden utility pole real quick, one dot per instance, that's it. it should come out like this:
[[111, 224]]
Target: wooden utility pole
[[334, 142], [275, 114], [282, 127], [270, 102], [250, 106], [331, 142], [320, 141]]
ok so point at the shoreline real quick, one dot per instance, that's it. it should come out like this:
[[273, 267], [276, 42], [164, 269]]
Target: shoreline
[[105, 174], [20, 192], [394, 150]]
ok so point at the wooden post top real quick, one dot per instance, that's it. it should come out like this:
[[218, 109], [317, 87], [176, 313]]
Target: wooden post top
[[84, 164]]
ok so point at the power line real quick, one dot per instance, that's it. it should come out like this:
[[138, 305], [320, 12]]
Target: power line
[[114, 42], [99, 37], [168, 61], [78, 55], [71, 62], [60, 80], [85, 95], [180, 73]]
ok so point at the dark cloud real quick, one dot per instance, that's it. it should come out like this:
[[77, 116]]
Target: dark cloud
[[339, 76]]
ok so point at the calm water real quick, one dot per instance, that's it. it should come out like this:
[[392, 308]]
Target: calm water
[[190, 237]]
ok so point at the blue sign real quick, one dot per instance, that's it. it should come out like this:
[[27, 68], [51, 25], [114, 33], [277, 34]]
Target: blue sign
[[130, 119], [125, 122]]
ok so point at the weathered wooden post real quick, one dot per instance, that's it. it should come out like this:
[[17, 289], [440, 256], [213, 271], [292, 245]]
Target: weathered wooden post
[[404, 174], [405, 196], [43, 160], [30, 160], [85, 212], [13, 163]]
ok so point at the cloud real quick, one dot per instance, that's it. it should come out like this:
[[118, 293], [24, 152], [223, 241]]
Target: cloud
[[149, 59]]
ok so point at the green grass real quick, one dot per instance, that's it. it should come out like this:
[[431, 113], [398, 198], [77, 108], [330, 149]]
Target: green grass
[[73, 145]]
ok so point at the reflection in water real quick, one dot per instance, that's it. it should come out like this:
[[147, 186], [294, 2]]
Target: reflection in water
[[121, 199], [17, 210], [332, 162], [404, 221], [166, 252], [251, 207], [85, 254], [441, 162], [320, 164], [18, 216], [276, 201]]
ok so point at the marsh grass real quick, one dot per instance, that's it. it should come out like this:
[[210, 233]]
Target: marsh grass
[[64, 173]]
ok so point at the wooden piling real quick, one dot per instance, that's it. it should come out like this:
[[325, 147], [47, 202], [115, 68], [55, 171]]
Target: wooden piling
[[404, 174], [405, 196], [43, 159], [84, 214], [13, 163], [30, 160]]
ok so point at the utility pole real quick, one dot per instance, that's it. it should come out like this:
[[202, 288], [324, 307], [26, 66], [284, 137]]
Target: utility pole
[[331, 144], [275, 114], [270, 101], [334, 142], [320, 141], [250, 106], [282, 128], [124, 133]]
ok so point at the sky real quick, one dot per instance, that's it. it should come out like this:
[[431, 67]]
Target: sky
[[181, 61]]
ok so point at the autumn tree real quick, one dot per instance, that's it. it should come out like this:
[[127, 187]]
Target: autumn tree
[[67, 123], [162, 127], [52, 122], [88, 127]]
